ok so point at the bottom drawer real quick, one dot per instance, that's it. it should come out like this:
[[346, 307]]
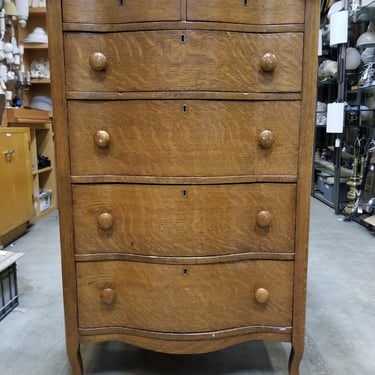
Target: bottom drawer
[[185, 298]]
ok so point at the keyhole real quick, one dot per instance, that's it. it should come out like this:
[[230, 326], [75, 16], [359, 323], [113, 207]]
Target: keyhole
[[184, 193], [246, 2], [182, 39], [184, 108], [186, 272]]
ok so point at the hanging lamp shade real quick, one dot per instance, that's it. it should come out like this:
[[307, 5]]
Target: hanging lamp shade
[[23, 11], [367, 39], [10, 8], [353, 58]]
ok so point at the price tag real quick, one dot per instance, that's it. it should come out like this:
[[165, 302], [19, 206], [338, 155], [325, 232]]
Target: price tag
[[335, 117]]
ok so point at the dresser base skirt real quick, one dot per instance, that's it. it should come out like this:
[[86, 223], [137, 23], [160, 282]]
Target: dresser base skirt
[[182, 344]]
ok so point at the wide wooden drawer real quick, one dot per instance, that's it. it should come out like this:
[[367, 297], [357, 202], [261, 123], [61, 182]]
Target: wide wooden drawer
[[184, 298], [180, 60], [258, 12], [117, 11], [183, 138], [184, 220]]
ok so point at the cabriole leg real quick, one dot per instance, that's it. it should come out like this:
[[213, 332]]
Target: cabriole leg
[[75, 360], [295, 360]]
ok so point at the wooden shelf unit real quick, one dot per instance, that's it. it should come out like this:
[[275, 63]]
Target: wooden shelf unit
[[39, 122], [32, 51], [41, 142]]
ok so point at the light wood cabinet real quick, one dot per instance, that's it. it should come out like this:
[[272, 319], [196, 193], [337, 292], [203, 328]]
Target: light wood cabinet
[[16, 183], [41, 144], [184, 145]]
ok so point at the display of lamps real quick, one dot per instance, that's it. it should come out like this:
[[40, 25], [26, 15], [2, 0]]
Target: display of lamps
[[19, 9], [353, 58], [367, 39], [23, 12], [10, 8]]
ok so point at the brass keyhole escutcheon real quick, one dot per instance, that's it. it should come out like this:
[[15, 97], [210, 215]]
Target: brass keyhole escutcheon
[[9, 155]]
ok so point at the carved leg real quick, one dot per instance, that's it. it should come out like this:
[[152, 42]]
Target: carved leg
[[295, 360], [75, 360]]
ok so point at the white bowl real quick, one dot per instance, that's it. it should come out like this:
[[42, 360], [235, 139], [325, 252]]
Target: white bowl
[[42, 102], [37, 36]]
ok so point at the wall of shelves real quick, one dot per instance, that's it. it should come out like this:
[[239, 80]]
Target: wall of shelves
[[33, 52], [39, 122], [344, 166]]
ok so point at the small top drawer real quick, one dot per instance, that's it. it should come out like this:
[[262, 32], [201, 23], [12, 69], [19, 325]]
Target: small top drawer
[[183, 60], [258, 12], [120, 11]]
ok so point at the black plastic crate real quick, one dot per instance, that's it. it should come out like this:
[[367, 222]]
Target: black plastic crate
[[8, 290]]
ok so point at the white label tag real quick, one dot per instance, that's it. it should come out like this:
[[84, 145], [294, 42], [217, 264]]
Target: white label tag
[[335, 117], [338, 28], [320, 43]]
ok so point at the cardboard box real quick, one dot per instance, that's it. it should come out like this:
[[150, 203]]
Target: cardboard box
[[45, 200]]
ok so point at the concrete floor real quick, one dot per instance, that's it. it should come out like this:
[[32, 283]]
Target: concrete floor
[[340, 315]]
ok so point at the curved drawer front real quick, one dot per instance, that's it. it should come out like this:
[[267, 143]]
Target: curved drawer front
[[179, 298], [180, 220], [258, 12], [112, 11], [180, 60], [183, 138]]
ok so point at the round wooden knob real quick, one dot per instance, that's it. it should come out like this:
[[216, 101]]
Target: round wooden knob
[[262, 295], [97, 61], [268, 62], [105, 221], [108, 296], [264, 219], [266, 138], [102, 138]]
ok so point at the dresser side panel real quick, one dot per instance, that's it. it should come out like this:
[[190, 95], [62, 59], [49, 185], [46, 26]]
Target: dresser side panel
[[58, 74]]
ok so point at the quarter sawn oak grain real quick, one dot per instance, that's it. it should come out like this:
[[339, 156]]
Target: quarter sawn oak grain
[[184, 134]]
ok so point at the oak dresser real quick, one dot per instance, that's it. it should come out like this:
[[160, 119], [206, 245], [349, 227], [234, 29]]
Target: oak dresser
[[184, 136]]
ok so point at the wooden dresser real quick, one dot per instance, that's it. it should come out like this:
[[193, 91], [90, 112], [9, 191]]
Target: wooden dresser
[[184, 144]]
